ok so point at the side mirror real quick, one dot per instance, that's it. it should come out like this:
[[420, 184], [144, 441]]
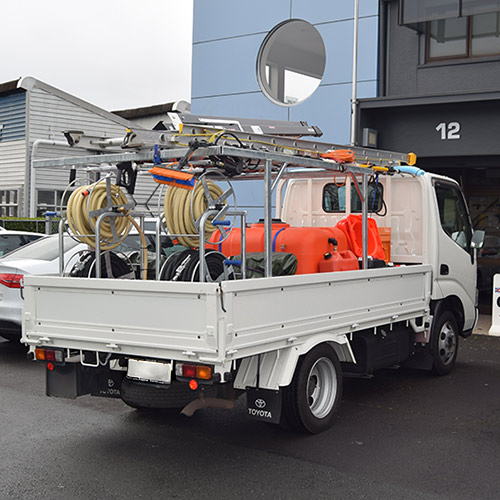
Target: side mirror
[[478, 239]]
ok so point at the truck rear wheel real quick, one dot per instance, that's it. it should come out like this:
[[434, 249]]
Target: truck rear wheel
[[310, 401], [444, 343]]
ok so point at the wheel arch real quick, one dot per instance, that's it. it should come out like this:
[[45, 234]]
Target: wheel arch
[[451, 303], [278, 367]]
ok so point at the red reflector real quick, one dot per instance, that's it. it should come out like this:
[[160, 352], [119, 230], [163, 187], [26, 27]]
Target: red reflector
[[193, 385], [189, 371], [50, 366], [50, 355], [11, 280]]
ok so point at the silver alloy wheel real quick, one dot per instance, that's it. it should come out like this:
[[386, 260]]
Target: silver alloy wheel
[[447, 343], [322, 387]]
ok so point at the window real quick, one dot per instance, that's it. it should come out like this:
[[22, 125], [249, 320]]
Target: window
[[334, 199], [8, 203], [414, 12], [485, 30], [473, 36], [46, 248], [9, 242], [453, 214], [48, 200]]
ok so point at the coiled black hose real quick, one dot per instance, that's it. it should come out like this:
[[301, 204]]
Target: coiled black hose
[[116, 267], [185, 266]]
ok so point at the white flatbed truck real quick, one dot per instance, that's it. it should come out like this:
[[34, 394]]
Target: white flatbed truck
[[285, 341]]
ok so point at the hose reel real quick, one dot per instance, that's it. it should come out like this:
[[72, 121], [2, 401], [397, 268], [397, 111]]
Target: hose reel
[[87, 203], [183, 209]]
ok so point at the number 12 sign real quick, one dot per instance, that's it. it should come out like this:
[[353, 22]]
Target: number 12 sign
[[449, 130]]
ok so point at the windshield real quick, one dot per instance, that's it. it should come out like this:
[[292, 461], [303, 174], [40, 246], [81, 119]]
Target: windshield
[[46, 248]]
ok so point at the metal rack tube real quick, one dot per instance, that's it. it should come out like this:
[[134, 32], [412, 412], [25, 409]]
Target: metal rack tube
[[365, 222], [203, 265], [61, 247], [158, 247], [268, 218], [98, 240]]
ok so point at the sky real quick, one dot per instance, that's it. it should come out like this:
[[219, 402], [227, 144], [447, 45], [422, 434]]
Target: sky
[[115, 54]]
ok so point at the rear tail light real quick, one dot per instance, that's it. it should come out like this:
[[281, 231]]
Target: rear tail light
[[53, 355], [11, 280], [200, 372]]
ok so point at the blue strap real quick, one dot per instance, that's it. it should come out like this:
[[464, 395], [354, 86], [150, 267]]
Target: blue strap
[[275, 236], [157, 156], [234, 262], [375, 192]]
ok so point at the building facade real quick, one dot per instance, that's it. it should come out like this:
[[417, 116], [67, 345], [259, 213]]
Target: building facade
[[32, 118], [439, 96], [227, 39], [427, 81]]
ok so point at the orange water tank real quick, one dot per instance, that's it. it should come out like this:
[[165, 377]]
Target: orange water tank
[[308, 244]]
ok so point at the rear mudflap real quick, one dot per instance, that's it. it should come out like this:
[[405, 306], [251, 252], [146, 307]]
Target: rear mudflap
[[72, 380], [264, 404]]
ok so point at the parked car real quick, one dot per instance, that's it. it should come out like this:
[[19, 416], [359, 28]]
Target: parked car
[[42, 258], [10, 240]]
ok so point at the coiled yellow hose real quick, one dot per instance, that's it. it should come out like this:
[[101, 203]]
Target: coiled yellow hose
[[86, 199], [177, 209]]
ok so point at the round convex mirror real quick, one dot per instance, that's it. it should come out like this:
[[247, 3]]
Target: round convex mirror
[[291, 62]]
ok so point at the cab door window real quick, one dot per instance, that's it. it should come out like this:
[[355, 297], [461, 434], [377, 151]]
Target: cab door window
[[454, 215]]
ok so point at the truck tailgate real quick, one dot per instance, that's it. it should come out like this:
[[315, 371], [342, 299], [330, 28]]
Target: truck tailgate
[[147, 318]]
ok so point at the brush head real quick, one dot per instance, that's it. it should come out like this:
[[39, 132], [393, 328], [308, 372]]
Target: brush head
[[173, 177]]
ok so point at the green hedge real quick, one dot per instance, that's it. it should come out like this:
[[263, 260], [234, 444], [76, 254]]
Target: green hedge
[[25, 224]]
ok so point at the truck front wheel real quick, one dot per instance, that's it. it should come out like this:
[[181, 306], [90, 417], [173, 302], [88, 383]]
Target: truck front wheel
[[444, 343], [310, 401]]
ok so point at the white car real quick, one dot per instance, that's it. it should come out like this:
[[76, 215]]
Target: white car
[[10, 240], [39, 257], [42, 258]]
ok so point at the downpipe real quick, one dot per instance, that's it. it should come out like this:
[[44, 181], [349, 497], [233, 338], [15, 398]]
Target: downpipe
[[203, 402], [32, 179]]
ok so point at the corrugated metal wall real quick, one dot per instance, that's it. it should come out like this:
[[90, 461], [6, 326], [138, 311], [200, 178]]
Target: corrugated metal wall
[[12, 142], [49, 115], [12, 117], [12, 161]]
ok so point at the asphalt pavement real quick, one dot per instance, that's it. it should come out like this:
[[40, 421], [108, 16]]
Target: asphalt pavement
[[401, 435]]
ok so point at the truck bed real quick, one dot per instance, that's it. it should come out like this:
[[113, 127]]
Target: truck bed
[[217, 323]]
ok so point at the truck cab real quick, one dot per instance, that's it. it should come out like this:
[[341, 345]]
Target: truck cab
[[424, 217]]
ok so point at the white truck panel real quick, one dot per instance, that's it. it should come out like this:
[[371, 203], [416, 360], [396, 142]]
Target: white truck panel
[[147, 318], [216, 324], [274, 311]]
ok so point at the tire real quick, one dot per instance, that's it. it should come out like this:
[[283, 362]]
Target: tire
[[444, 343], [310, 401], [143, 395]]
